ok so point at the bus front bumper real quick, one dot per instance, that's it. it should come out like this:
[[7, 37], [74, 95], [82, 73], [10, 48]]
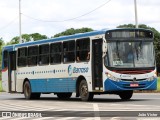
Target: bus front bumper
[[110, 85]]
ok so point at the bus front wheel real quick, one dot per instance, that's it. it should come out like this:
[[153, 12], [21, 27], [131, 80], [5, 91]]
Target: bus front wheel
[[28, 93], [126, 95], [83, 91]]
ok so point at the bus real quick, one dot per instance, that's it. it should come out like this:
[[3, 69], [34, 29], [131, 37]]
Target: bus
[[109, 61]]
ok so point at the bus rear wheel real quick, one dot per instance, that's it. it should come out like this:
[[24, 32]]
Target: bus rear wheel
[[83, 91], [126, 95], [28, 93], [64, 96]]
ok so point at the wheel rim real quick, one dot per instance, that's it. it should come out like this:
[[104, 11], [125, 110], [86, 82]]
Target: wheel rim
[[84, 90]]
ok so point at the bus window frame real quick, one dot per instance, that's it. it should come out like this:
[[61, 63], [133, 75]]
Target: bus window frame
[[25, 56], [68, 51], [83, 50], [29, 47], [43, 54], [53, 53]]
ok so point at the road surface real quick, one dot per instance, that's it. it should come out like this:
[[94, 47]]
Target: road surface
[[142, 106]]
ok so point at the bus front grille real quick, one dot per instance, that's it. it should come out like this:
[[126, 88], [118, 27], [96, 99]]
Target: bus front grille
[[130, 80]]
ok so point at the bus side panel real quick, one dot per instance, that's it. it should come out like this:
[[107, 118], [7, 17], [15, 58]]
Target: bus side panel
[[53, 85], [5, 79], [38, 85], [52, 78], [13, 81], [19, 85]]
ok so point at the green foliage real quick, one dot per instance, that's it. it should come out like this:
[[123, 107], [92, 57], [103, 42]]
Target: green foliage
[[37, 36], [15, 40], [126, 26], [72, 31], [156, 39], [27, 37], [0, 86], [1, 45], [1, 42]]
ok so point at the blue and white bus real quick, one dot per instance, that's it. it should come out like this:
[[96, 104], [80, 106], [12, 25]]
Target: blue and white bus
[[115, 61]]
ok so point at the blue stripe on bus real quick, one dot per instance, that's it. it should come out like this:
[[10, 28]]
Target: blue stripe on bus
[[110, 85], [9, 48], [53, 85]]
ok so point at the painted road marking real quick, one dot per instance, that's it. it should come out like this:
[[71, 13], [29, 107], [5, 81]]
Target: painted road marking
[[96, 113]]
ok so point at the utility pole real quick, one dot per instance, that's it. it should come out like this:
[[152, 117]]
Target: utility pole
[[136, 17], [20, 34]]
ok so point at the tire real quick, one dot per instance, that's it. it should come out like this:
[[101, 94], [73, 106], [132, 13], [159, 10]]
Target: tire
[[28, 92], [83, 91], [64, 96], [126, 95]]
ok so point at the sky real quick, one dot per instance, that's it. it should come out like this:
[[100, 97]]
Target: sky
[[49, 17]]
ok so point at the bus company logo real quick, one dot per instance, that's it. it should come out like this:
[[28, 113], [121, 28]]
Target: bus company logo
[[69, 70], [77, 70]]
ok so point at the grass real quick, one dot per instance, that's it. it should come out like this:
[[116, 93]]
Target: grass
[[1, 86]]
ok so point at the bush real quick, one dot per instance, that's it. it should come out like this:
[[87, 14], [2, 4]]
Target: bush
[[0, 86]]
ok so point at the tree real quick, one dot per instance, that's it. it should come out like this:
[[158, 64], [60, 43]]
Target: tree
[[37, 36], [72, 31], [14, 40], [1, 45], [156, 39], [126, 26], [27, 37]]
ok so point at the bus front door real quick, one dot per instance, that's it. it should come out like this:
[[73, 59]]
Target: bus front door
[[12, 71], [97, 64]]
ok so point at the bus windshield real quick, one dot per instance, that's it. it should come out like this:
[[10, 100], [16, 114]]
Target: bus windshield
[[130, 54]]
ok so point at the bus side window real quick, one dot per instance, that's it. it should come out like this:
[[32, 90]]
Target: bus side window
[[43, 54], [55, 53], [22, 57], [69, 51], [83, 49], [5, 59], [32, 55]]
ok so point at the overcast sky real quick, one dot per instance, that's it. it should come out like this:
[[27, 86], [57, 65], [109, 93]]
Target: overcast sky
[[49, 17]]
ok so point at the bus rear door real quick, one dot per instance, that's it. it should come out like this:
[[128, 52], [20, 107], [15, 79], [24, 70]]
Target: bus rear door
[[12, 71]]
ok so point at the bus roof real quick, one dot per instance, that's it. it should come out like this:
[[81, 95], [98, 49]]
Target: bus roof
[[68, 37], [61, 38]]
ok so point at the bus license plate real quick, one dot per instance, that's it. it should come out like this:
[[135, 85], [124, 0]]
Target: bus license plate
[[134, 85]]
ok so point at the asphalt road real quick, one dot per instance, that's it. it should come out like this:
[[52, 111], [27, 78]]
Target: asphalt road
[[142, 106]]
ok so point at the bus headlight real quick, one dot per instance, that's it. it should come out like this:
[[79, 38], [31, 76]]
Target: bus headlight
[[153, 77], [113, 78], [150, 78]]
